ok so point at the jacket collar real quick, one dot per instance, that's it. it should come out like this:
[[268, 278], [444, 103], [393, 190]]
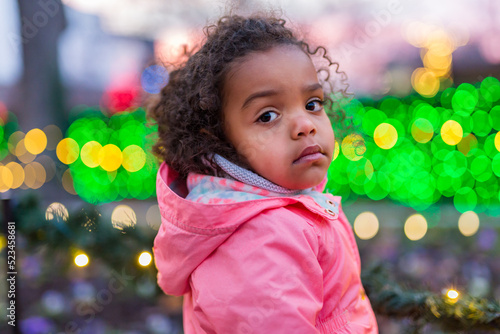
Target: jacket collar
[[223, 216]]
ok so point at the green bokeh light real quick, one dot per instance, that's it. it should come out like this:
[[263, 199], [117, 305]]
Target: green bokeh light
[[372, 118], [97, 185], [490, 89], [465, 199], [418, 171], [481, 123]]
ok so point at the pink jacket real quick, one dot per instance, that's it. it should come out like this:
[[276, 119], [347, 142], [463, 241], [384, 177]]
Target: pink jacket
[[250, 261]]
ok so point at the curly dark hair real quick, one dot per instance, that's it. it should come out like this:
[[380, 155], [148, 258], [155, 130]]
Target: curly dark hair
[[189, 109]]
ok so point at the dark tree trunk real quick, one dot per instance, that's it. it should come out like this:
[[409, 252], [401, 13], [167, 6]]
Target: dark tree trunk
[[40, 100]]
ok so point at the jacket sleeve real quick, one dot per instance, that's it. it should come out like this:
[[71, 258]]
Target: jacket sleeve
[[264, 279]]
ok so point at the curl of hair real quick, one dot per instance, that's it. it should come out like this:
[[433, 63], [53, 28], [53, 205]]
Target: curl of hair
[[189, 109]]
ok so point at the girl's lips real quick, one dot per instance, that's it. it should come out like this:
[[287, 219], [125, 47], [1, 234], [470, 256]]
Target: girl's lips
[[309, 158]]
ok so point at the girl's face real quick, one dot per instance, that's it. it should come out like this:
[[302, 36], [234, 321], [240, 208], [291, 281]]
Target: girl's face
[[273, 111]]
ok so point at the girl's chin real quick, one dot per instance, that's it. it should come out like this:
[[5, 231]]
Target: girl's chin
[[303, 186]]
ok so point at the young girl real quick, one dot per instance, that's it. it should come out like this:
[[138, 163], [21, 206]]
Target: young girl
[[247, 235]]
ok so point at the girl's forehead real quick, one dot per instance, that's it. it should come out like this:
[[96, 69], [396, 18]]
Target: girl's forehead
[[273, 59], [272, 72]]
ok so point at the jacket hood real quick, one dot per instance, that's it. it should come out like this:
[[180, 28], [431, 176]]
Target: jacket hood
[[192, 229]]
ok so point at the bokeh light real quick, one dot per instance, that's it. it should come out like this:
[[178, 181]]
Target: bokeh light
[[425, 82], [81, 260], [353, 147], [385, 136], [67, 182], [497, 141], [153, 217], [49, 165], [56, 211], [35, 141], [54, 136], [452, 294], [145, 259], [6, 179], [17, 174], [154, 78], [13, 141], [468, 223], [34, 175], [123, 216], [422, 130], [134, 158], [67, 151], [465, 199], [22, 153], [337, 150], [451, 132], [366, 225], [415, 227], [90, 153], [110, 157], [468, 144]]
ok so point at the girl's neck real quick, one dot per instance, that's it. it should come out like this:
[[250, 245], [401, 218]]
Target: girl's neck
[[244, 175]]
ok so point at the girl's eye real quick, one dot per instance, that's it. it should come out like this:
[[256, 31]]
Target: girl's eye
[[267, 117], [315, 105]]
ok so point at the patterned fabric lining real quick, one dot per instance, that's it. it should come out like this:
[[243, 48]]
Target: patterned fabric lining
[[216, 190]]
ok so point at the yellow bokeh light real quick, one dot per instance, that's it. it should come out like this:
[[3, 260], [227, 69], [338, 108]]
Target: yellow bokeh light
[[422, 130], [134, 158], [35, 141], [56, 210], [497, 141], [415, 227], [22, 153], [425, 82], [123, 216], [353, 147], [366, 225], [17, 174], [452, 132], [336, 150], [67, 150], [81, 260], [3, 241], [439, 65], [452, 294], [34, 175], [110, 157], [90, 154], [440, 43], [6, 179], [385, 136], [468, 223], [145, 259]]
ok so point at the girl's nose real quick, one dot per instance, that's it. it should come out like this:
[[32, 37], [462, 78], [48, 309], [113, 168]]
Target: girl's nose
[[303, 126]]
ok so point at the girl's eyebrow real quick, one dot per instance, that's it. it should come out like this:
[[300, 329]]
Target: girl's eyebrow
[[312, 87], [272, 92], [264, 93]]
